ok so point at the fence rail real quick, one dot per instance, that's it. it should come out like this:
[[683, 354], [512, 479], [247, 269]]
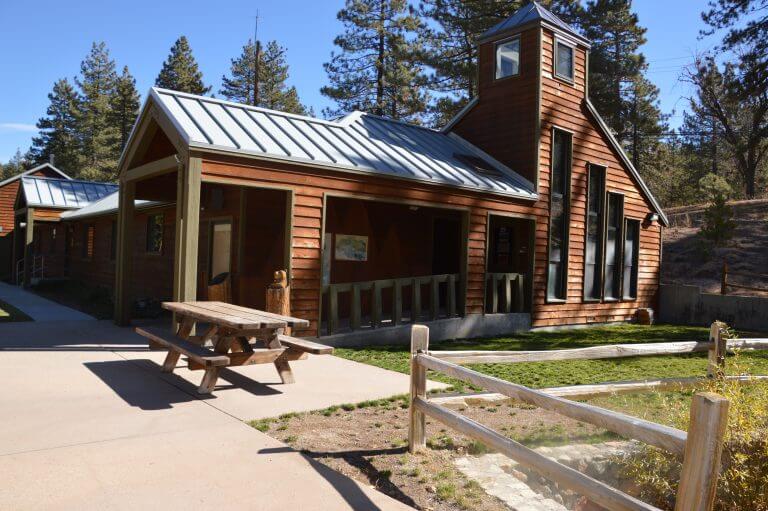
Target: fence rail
[[725, 284], [505, 292], [699, 448], [445, 307]]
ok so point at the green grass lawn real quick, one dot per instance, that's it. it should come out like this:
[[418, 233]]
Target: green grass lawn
[[10, 313], [572, 372]]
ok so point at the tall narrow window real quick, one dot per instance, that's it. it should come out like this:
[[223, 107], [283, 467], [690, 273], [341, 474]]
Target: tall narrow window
[[564, 61], [631, 256], [613, 239], [508, 58], [559, 210], [155, 234], [89, 238], [593, 252]]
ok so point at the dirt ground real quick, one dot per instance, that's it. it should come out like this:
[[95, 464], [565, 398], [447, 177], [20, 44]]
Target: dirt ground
[[687, 259], [368, 442]]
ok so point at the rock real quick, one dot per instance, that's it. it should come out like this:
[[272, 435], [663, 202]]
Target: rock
[[430, 489]]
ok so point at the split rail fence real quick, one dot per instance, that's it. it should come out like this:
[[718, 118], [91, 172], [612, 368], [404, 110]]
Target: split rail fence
[[699, 448], [725, 283]]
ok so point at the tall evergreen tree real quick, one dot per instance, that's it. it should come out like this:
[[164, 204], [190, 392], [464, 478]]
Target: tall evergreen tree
[[124, 106], [270, 89], [617, 85], [16, 165], [377, 68], [180, 71], [99, 138], [59, 136], [450, 50]]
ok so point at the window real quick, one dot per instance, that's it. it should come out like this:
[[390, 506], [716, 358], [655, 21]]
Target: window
[[563, 60], [113, 241], [508, 58], [631, 256], [52, 246], [559, 210], [593, 251], [89, 235], [155, 234], [221, 245], [613, 238]]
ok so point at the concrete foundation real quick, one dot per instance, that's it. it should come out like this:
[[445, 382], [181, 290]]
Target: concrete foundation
[[687, 305], [467, 327]]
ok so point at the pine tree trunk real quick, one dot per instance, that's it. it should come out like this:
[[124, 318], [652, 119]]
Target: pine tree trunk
[[380, 64]]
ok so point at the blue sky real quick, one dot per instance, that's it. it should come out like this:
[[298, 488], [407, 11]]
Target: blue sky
[[46, 40]]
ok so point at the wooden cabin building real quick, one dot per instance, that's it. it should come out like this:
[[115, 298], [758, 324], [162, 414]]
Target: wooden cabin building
[[9, 190], [523, 211]]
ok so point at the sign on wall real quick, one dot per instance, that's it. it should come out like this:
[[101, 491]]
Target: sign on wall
[[351, 248]]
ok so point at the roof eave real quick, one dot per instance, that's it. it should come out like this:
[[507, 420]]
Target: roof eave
[[213, 149], [583, 41]]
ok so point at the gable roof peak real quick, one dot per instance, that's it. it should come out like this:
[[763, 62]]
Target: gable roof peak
[[530, 14]]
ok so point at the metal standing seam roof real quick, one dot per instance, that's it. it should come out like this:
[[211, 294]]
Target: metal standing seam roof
[[106, 205], [358, 142], [63, 193], [529, 14], [32, 171]]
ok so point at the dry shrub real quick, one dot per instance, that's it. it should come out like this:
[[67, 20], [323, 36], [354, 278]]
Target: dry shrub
[[743, 482]]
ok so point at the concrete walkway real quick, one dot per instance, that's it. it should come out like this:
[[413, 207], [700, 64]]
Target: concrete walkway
[[39, 308], [90, 420]]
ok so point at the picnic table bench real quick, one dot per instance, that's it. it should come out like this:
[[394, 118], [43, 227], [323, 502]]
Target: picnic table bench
[[235, 333]]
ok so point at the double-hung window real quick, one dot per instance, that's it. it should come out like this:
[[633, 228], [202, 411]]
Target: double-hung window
[[593, 252], [613, 242], [559, 213]]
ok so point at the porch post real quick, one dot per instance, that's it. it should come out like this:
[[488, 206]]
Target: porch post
[[29, 239], [187, 230], [125, 243]]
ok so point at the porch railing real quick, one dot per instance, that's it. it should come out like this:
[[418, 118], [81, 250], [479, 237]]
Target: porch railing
[[505, 292], [441, 304], [37, 272]]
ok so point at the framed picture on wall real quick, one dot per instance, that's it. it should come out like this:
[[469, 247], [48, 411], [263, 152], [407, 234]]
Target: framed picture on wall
[[351, 248]]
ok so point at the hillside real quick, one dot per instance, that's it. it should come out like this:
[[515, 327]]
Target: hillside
[[688, 259]]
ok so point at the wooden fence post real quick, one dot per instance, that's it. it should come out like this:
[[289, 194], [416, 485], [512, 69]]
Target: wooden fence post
[[417, 426], [724, 280], [716, 365], [279, 296], [703, 448]]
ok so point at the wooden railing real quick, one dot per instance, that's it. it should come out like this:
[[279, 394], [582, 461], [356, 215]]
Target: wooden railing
[[699, 448], [505, 292], [725, 284], [446, 306]]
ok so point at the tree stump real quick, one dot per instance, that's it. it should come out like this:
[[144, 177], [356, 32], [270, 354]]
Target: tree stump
[[279, 296]]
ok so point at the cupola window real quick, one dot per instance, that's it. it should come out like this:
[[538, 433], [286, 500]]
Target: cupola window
[[564, 61], [508, 58]]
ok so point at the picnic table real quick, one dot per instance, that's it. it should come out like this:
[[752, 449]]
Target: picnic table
[[239, 336]]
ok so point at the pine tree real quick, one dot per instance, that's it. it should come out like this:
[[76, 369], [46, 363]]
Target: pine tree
[[270, 90], [449, 47], [59, 130], [16, 165], [99, 139], [615, 63], [180, 71], [377, 68], [124, 106]]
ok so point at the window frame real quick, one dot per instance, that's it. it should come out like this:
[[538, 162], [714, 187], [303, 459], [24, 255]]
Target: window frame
[[147, 249], [620, 248], [496, 46], [211, 225], [86, 254], [556, 68], [566, 214], [634, 276], [601, 228]]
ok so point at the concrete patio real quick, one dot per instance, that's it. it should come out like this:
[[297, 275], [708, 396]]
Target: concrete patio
[[89, 418]]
